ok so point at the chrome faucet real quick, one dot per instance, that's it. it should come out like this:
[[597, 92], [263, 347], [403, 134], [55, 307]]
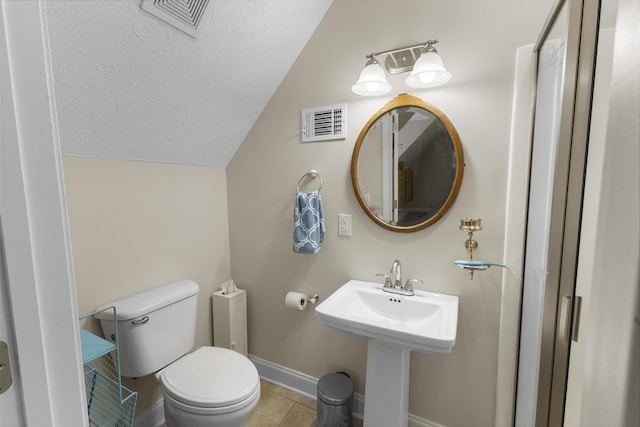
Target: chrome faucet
[[393, 281], [396, 274]]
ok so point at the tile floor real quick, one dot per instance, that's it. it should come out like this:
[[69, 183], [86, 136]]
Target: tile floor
[[279, 407]]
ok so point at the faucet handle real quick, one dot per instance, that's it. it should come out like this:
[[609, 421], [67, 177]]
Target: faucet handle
[[409, 284], [387, 280]]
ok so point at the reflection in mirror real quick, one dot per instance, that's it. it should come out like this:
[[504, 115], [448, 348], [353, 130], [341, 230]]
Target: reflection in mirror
[[407, 165]]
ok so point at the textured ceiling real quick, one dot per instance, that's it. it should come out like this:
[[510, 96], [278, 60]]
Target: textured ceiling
[[129, 86]]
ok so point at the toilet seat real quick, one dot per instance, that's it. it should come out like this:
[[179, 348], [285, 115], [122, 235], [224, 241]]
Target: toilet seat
[[211, 379], [246, 406]]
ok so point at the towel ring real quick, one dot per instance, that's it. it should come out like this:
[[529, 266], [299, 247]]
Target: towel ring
[[313, 174]]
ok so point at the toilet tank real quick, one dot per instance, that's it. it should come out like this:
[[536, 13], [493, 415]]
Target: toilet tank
[[154, 327]]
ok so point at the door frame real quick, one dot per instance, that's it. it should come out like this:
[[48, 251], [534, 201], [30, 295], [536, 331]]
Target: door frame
[[11, 405], [39, 273]]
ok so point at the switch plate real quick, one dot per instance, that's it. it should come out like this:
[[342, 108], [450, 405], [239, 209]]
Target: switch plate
[[344, 225]]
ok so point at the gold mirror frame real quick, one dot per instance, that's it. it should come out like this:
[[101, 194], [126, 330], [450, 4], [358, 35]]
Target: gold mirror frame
[[405, 100]]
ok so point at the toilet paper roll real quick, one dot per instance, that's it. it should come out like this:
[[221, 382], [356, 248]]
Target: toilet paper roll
[[295, 300]]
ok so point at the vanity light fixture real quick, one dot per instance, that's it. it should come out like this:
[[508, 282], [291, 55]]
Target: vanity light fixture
[[427, 69]]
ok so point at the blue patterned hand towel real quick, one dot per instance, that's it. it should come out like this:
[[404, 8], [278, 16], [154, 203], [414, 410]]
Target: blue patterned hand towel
[[308, 223]]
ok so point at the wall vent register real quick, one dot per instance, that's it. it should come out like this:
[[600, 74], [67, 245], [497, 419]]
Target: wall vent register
[[185, 15], [324, 123]]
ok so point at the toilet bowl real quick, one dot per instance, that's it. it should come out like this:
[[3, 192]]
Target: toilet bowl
[[210, 387]]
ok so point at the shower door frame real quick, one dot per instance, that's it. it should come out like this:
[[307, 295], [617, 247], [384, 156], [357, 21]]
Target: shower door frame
[[566, 210]]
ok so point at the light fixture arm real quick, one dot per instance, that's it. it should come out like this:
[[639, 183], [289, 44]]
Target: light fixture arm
[[425, 46], [371, 59]]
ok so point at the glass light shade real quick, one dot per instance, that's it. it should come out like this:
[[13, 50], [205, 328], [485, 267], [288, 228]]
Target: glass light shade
[[428, 71], [372, 81]]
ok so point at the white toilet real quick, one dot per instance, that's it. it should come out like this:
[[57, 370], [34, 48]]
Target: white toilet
[[210, 387]]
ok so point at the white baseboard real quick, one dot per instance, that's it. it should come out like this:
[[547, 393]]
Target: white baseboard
[[415, 421], [152, 417], [284, 377]]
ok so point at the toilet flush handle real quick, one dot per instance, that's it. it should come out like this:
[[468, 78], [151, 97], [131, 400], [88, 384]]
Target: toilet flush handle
[[140, 321]]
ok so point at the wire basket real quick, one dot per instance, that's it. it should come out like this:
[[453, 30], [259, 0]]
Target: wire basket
[[109, 403], [105, 408]]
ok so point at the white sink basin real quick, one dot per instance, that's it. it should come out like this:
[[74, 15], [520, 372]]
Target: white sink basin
[[426, 321]]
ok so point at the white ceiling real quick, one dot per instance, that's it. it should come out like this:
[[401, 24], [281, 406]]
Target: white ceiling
[[129, 86]]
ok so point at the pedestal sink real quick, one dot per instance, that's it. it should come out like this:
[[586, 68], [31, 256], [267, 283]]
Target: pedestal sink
[[395, 325]]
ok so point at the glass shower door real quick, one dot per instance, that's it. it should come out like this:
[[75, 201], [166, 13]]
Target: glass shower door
[[565, 59], [542, 243]]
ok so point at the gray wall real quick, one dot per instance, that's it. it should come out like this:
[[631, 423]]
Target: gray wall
[[477, 43]]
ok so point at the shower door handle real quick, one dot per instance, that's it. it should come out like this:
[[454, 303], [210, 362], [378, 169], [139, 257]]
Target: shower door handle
[[564, 323], [569, 321], [577, 311]]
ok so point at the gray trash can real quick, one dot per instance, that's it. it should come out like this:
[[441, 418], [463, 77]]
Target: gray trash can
[[335, 393]]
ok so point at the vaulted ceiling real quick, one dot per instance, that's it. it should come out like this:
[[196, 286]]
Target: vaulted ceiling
[[130, 86]]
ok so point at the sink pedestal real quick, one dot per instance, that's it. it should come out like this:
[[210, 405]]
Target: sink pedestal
[[387, 385]]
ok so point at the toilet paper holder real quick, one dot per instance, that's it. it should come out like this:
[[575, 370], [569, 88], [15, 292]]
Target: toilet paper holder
[[313, 297], [299, 301]]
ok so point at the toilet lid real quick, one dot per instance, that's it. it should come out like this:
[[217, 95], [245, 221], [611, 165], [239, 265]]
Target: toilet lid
[[210, 377]]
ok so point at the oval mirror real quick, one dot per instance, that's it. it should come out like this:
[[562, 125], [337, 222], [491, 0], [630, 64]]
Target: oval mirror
[[407, 165]]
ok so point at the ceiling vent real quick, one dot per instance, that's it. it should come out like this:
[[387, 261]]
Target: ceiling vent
[[185, 15], [324, 123]]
